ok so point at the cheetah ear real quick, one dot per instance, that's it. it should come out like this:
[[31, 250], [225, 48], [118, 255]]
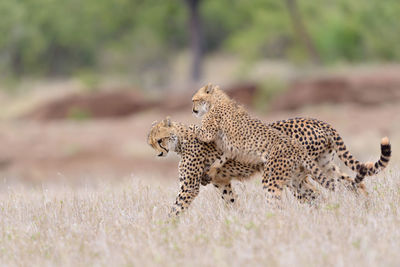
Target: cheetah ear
[[209, 88], [153, 123], [167, 121]]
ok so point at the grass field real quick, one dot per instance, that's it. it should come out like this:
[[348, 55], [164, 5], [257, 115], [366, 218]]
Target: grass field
[[125, 224]]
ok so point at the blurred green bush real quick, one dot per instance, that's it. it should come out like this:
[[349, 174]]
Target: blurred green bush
[[59, 37]]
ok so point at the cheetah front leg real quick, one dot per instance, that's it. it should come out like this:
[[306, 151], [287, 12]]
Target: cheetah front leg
[[303, 190], [274, 179], [189, 178], [207, 133], [183, 200], [227, 193], [208, 130]]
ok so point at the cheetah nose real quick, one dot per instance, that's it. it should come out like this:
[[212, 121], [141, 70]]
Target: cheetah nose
[[195, 111], [160, 155]]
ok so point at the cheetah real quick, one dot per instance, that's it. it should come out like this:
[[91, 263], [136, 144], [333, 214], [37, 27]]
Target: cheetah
[[195, 159], [248, 140], [322, 142]]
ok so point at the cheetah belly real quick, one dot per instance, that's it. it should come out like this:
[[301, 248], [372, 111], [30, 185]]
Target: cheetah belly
[[233, 152]]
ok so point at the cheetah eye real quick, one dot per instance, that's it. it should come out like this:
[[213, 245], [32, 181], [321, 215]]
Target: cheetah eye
[[159, 141]]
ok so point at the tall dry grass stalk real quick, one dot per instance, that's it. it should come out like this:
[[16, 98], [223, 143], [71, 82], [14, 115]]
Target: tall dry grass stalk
[[124, 224]]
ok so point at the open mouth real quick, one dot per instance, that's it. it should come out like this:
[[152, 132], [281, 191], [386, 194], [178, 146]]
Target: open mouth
[[162, 152]]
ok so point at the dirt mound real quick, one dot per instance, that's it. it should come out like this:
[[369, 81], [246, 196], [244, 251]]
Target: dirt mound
[[243, 93], [122, 103], [93, 105], [367, 89]]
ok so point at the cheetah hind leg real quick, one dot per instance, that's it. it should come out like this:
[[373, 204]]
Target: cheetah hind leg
[[317, 174], [332, 170]]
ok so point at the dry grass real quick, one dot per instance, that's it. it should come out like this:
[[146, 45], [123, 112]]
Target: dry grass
[[114, 224]]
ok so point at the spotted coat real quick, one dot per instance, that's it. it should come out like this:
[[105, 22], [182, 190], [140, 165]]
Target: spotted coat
[[196, 158], [248, 140]]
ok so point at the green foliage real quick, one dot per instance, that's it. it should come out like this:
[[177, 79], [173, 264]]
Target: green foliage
[[341, 30], [59, 37], [355, 30], [264, 30]]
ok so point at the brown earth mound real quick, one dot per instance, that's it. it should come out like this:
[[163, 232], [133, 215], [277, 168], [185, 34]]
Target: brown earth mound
[[366, 89], [93, 105]]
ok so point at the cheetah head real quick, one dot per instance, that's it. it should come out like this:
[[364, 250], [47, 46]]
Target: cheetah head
[[162, 137], [203, 99]]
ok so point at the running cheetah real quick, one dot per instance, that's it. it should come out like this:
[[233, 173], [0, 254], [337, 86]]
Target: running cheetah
[[196, 158]]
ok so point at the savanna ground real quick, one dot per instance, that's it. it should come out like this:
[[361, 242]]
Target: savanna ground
[[83, 193], [125, 224]]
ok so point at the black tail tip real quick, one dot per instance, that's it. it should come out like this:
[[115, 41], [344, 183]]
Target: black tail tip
[[385, 147]]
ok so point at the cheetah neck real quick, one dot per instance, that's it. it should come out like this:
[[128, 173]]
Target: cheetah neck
[[181, 131], [220, 97]]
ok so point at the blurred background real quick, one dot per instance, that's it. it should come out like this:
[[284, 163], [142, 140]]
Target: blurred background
[[82, 81]]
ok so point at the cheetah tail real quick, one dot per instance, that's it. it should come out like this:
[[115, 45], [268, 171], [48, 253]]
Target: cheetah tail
[[370, 168], [362, 169], [386, 152]]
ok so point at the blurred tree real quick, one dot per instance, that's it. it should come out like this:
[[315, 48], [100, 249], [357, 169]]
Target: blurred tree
[[301, 30], [141, 38], [196, 39]]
